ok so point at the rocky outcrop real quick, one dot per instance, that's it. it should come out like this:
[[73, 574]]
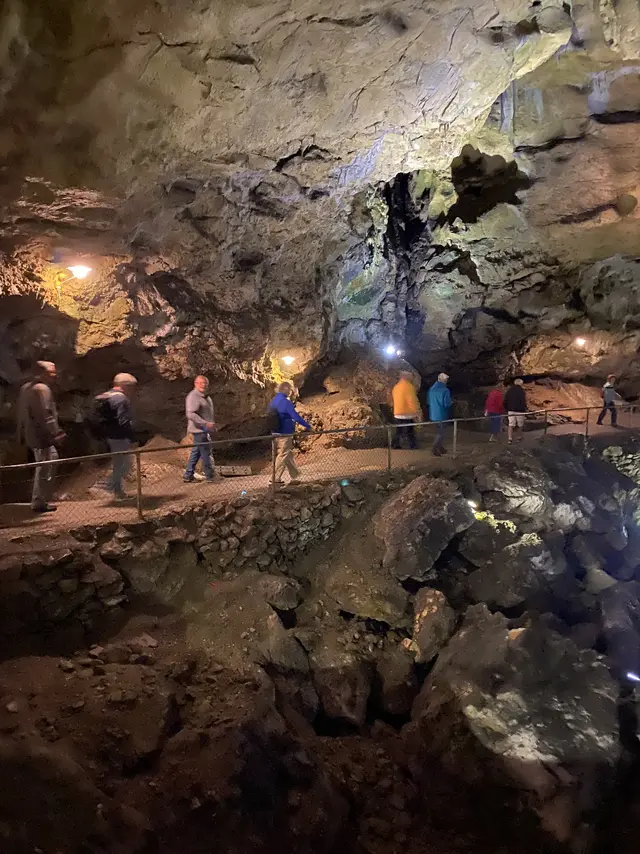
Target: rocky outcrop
[[507, 710]]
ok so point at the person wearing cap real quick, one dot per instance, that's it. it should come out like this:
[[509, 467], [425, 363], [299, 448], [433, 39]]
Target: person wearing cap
[[515, 402], [117, 427], [406, 409], [609, 396], [439, 406], [38, 428]]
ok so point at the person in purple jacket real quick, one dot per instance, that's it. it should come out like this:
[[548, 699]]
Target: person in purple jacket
[[287, 416]]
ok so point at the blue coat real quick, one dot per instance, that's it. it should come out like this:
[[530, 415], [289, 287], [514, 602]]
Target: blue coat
[[287, 415], [439, 402]]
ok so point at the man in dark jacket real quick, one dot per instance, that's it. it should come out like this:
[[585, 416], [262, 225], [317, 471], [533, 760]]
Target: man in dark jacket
[[117, 423], [515, 402], [287, 420], [38, 428]]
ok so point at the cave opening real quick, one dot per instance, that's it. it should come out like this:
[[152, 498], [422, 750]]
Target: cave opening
[[482, 182]]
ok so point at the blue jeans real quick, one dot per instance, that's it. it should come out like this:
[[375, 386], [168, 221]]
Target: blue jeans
[[120, 465], [201, 451], [494, 423]]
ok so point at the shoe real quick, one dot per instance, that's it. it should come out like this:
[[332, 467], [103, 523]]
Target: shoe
[[277, 483], [44, 508], [492, 439], [443, 450], [294, 481], [188, 480], [120, 496], [436, 452]]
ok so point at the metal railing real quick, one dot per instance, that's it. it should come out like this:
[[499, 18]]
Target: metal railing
[[372, 448]]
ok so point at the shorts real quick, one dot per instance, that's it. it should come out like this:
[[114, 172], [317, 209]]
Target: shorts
[[516, 419]]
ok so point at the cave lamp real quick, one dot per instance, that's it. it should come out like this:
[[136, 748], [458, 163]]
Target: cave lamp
[[580, 342], [79, 271], [288, 360]]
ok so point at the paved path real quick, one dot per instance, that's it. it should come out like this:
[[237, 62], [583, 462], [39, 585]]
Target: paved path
[[168, 492]]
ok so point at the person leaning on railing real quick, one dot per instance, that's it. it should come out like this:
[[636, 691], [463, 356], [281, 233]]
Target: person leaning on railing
[[38, 428]]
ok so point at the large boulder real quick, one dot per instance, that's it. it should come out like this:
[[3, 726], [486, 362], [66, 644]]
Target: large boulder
[[366, 590], [418, 523], [517, 484], [397, 682], [522, 716], [516, 574], [343, 679], [433, 624]]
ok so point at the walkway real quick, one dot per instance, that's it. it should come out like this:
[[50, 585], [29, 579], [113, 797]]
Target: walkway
[[167, 492]]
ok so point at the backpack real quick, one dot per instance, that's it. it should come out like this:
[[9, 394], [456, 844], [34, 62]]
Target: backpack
[[100, 416], [272, 421]]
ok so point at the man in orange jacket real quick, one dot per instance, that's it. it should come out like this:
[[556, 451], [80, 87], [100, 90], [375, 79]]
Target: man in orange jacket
[[406, 409]]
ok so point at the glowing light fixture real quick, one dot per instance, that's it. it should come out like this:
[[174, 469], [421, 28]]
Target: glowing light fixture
[[398, 353], [472, 504], [390, 350], [288, 360], [79, 271], [580, 342], [633, 677]]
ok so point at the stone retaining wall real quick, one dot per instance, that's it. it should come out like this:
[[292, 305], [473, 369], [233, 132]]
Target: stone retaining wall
[[170, 558]]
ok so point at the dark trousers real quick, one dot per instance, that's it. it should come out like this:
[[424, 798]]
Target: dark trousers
[[609, 407], [201, 451], [439, 440], [404, 428]]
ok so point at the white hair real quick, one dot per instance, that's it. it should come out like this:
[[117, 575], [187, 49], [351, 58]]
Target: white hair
[[125, 379], [442, 378]]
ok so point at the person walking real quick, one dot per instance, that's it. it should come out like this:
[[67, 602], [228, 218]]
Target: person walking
[[493, 409], [200, 423], [439, 406], [285, 412], [515, 402], [406, 410], [609, 396], [116, 420], [38, 428]]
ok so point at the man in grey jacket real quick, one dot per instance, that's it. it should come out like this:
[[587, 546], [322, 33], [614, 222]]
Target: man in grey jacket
[[38, 428], [200, 422], [609, 397]]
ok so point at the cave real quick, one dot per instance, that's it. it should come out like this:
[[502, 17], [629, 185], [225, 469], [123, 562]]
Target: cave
[[326, 195]]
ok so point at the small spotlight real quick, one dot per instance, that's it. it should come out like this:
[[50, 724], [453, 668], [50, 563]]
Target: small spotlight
[[390, 350], [580, 342], [288, 360], [79, 271], [243, 492], [633, 677], [472, 504], [398, 353], [344, 482]]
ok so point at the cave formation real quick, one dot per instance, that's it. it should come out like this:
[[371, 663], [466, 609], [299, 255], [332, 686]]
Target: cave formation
[[248, 181]]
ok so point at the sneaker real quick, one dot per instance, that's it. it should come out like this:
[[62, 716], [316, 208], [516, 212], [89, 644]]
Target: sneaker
[[120, 496], [492, 439], [188, 480], [294, 481], [277, 483], [44, 508], [436, 452]]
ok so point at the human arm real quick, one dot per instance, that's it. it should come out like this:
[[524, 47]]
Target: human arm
[[123, 415], [291, 411], [44, 414]]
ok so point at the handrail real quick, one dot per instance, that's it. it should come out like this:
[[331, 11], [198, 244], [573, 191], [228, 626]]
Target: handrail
[[246, 440]]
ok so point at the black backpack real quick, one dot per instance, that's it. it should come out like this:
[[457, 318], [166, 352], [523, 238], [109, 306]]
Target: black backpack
[[273, 421], [100, 416]]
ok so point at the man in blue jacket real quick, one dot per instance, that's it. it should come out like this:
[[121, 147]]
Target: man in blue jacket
[[287, 416], [439, 406]]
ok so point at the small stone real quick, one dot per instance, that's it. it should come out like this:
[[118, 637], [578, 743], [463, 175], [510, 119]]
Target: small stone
[[66, 666], [12, 707], [78, 705]]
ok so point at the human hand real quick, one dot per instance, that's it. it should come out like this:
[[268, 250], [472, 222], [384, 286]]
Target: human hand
[[59, 438], [211, 426]]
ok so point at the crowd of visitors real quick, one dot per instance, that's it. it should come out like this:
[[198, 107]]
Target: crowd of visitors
[[111, 421]]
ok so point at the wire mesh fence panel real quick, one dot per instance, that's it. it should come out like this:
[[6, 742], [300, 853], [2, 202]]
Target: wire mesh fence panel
[[339, 453]]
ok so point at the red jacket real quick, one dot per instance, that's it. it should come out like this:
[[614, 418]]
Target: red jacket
[[495, 403]]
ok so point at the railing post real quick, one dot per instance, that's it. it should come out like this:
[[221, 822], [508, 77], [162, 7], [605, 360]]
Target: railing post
[[586, 423], [139, 484], [455, 437], [274, 453], [546, 422], [389, 443]]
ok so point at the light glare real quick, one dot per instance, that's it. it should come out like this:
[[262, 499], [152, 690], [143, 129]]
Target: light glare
[[472, 504], [580, 342], [633, 677], [389, 349], [79, 271], [288, 360]]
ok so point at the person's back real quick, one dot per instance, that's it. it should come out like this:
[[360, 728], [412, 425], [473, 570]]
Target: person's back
[[37, 415], [439, 401], [405, 399], [287, 415], [115, 409], [495, 402], [515, 399], [609, 394]]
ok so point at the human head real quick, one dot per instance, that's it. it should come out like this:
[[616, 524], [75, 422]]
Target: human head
[[406, 375], [201, 383], [284, 388], [611, 378], [125, 382], [518, 381], [443, 378], [45, 371]]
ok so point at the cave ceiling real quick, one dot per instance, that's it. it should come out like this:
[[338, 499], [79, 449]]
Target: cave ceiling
[[253, 178]]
